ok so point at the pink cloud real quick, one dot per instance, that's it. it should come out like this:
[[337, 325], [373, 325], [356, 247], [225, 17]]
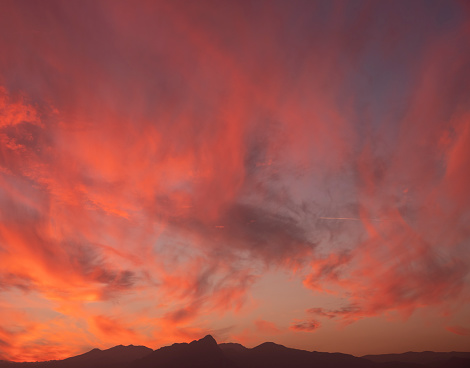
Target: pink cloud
[[459, 330]]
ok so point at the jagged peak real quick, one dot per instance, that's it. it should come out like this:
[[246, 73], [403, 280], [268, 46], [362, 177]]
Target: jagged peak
[[208, 339]]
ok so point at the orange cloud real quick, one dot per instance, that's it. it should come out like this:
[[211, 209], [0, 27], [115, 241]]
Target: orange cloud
[[267, 327], [112, 327]]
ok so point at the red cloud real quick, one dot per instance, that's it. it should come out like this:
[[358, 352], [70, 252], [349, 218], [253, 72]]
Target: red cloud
[[459, 330]]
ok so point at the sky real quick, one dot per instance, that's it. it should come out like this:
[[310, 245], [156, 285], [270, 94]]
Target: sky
[[287, 171]]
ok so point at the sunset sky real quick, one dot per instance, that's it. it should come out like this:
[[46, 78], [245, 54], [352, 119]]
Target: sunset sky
[[287, 171]]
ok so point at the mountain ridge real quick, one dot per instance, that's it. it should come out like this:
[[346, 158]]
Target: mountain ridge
[[207, 353]]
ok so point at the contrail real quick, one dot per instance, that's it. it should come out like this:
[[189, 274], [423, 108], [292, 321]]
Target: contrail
[[349, 218]]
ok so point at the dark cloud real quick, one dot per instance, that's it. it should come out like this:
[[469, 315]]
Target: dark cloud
[[344, 312], [307, 326], [22, 282]]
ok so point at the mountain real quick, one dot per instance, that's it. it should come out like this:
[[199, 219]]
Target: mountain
[[206, 353], [273, 355], [117, 357], [429, 358]]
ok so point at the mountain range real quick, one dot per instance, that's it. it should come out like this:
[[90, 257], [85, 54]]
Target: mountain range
[[206, 353]]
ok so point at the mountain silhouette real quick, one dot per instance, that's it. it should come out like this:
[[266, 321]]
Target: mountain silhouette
[[273, 355], [425, 358], [206, 353], [118, 356]]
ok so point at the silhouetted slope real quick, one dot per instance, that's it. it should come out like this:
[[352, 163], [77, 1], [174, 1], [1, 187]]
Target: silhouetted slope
[[204, 353], [425, 357], [454, 362], [116, 357], [231, 347], [277, 356]]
